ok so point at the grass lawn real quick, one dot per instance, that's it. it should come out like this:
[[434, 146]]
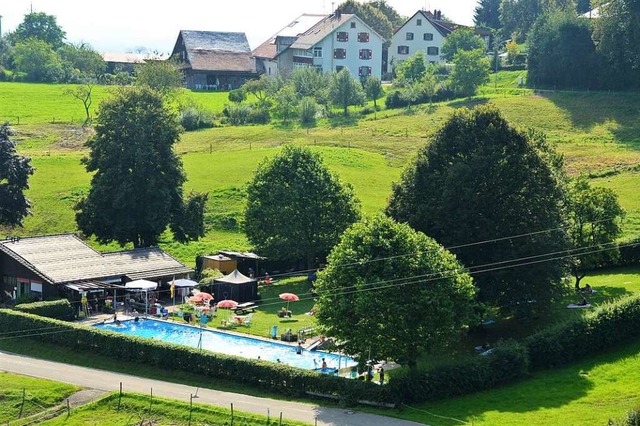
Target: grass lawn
[[589, 392], [39, 395], [141, 409]]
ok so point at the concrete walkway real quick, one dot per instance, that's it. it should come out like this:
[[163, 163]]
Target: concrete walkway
[[108, 381]]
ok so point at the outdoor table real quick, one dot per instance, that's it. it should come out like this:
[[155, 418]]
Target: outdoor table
[[245, 308]]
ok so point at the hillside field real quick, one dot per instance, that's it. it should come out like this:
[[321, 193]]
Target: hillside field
[[598, 134]]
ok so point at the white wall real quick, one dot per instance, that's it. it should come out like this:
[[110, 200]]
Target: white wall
[[352, 47], [418, 43]]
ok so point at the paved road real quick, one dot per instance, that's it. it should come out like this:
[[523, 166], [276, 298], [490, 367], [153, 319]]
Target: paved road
[[108, 381]]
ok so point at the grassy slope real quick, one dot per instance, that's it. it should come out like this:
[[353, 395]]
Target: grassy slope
[[40, 394], [596, 132], [136, 408]]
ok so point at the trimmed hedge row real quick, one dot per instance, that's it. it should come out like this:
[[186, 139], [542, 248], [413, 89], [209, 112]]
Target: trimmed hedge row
[[603, 328], [262, 374], [506, 363], [58, 309]]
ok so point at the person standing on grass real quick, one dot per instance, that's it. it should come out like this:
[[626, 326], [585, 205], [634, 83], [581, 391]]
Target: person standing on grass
[[381, 375]]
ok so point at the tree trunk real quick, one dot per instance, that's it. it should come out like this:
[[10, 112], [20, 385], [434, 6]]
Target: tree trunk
[[578, 276]]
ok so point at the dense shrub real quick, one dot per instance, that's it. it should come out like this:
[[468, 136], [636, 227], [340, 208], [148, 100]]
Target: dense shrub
[[395, 99], [259, 115], [195, 118], [278, 378], [59, 309], [506, 363], [307, 109], [603, 328]]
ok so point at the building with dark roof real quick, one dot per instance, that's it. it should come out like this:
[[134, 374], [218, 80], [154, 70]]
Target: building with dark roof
[[424, 31], [214, 60], [40, 267]]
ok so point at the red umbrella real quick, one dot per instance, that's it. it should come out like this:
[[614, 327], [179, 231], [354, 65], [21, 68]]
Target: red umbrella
[[289, 297], [229, 304]]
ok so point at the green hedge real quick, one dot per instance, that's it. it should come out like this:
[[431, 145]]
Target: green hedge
[[277, 378], [58, 309], [607, 326], [506, 363]]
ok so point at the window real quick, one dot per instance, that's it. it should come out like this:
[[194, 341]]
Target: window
[[317, 52], [339, 68], [419, 22], [353, 25], [433, 51], [342, 36], [427, 36], [340, 54], [363, 37], [318, 68], [409, 36], [403, 50], [365, 53], [364, 71]]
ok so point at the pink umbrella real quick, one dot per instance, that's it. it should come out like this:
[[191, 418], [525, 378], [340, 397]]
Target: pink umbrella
[[201, 297], [289, 297], [228, 304]]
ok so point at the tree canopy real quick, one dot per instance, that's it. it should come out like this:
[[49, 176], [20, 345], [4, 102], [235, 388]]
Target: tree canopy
[[373, 16], [165, 77], [487, 14], [14, 180], [594, 219], [296, 209], [462, 39], [389, 292], [39, 26], [344, 90], [471, 70], [478, 185], [618, 41], [136, 190], [562, 53]]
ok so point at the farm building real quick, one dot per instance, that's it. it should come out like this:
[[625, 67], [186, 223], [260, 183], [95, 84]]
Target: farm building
[[48, 266], [214, 60]]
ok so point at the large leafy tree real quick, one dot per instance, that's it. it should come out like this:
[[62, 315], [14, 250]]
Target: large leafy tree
[[344, 90], [38, 61], [296, 209], [617, 35], [165, 77], [136, 190], [390, 292], [471, 70], [14, 180], [518, 16], [487, 14], [562, 53], [482, 181], [594, 218], [83, 59], [462, 39], [371, 15], [413, 68], [373, 89], [39, 26]]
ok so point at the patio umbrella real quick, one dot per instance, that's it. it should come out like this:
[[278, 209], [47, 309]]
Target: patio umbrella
[[289, 297], [227, 304], [201, 297]]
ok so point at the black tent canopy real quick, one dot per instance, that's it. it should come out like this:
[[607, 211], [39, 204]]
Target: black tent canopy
[[235, 286]]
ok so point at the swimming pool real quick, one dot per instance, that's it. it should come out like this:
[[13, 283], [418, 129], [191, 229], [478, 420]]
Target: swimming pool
[[229, 344]]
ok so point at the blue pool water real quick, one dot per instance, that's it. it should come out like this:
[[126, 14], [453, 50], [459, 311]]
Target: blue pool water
[[230, 344]]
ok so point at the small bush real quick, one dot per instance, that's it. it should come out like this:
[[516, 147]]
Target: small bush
[[307, 109], [238, 114], [367, 110], [193, 118], [237, 96], [58, 309], [259, 115]]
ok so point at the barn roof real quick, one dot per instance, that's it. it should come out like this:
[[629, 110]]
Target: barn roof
[[216, 51], [66, 258]]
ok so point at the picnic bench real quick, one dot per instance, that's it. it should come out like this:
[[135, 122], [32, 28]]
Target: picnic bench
[[245, 308]]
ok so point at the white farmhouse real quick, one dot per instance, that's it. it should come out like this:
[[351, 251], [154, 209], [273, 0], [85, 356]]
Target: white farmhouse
[[332, 43], [424, 31]]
